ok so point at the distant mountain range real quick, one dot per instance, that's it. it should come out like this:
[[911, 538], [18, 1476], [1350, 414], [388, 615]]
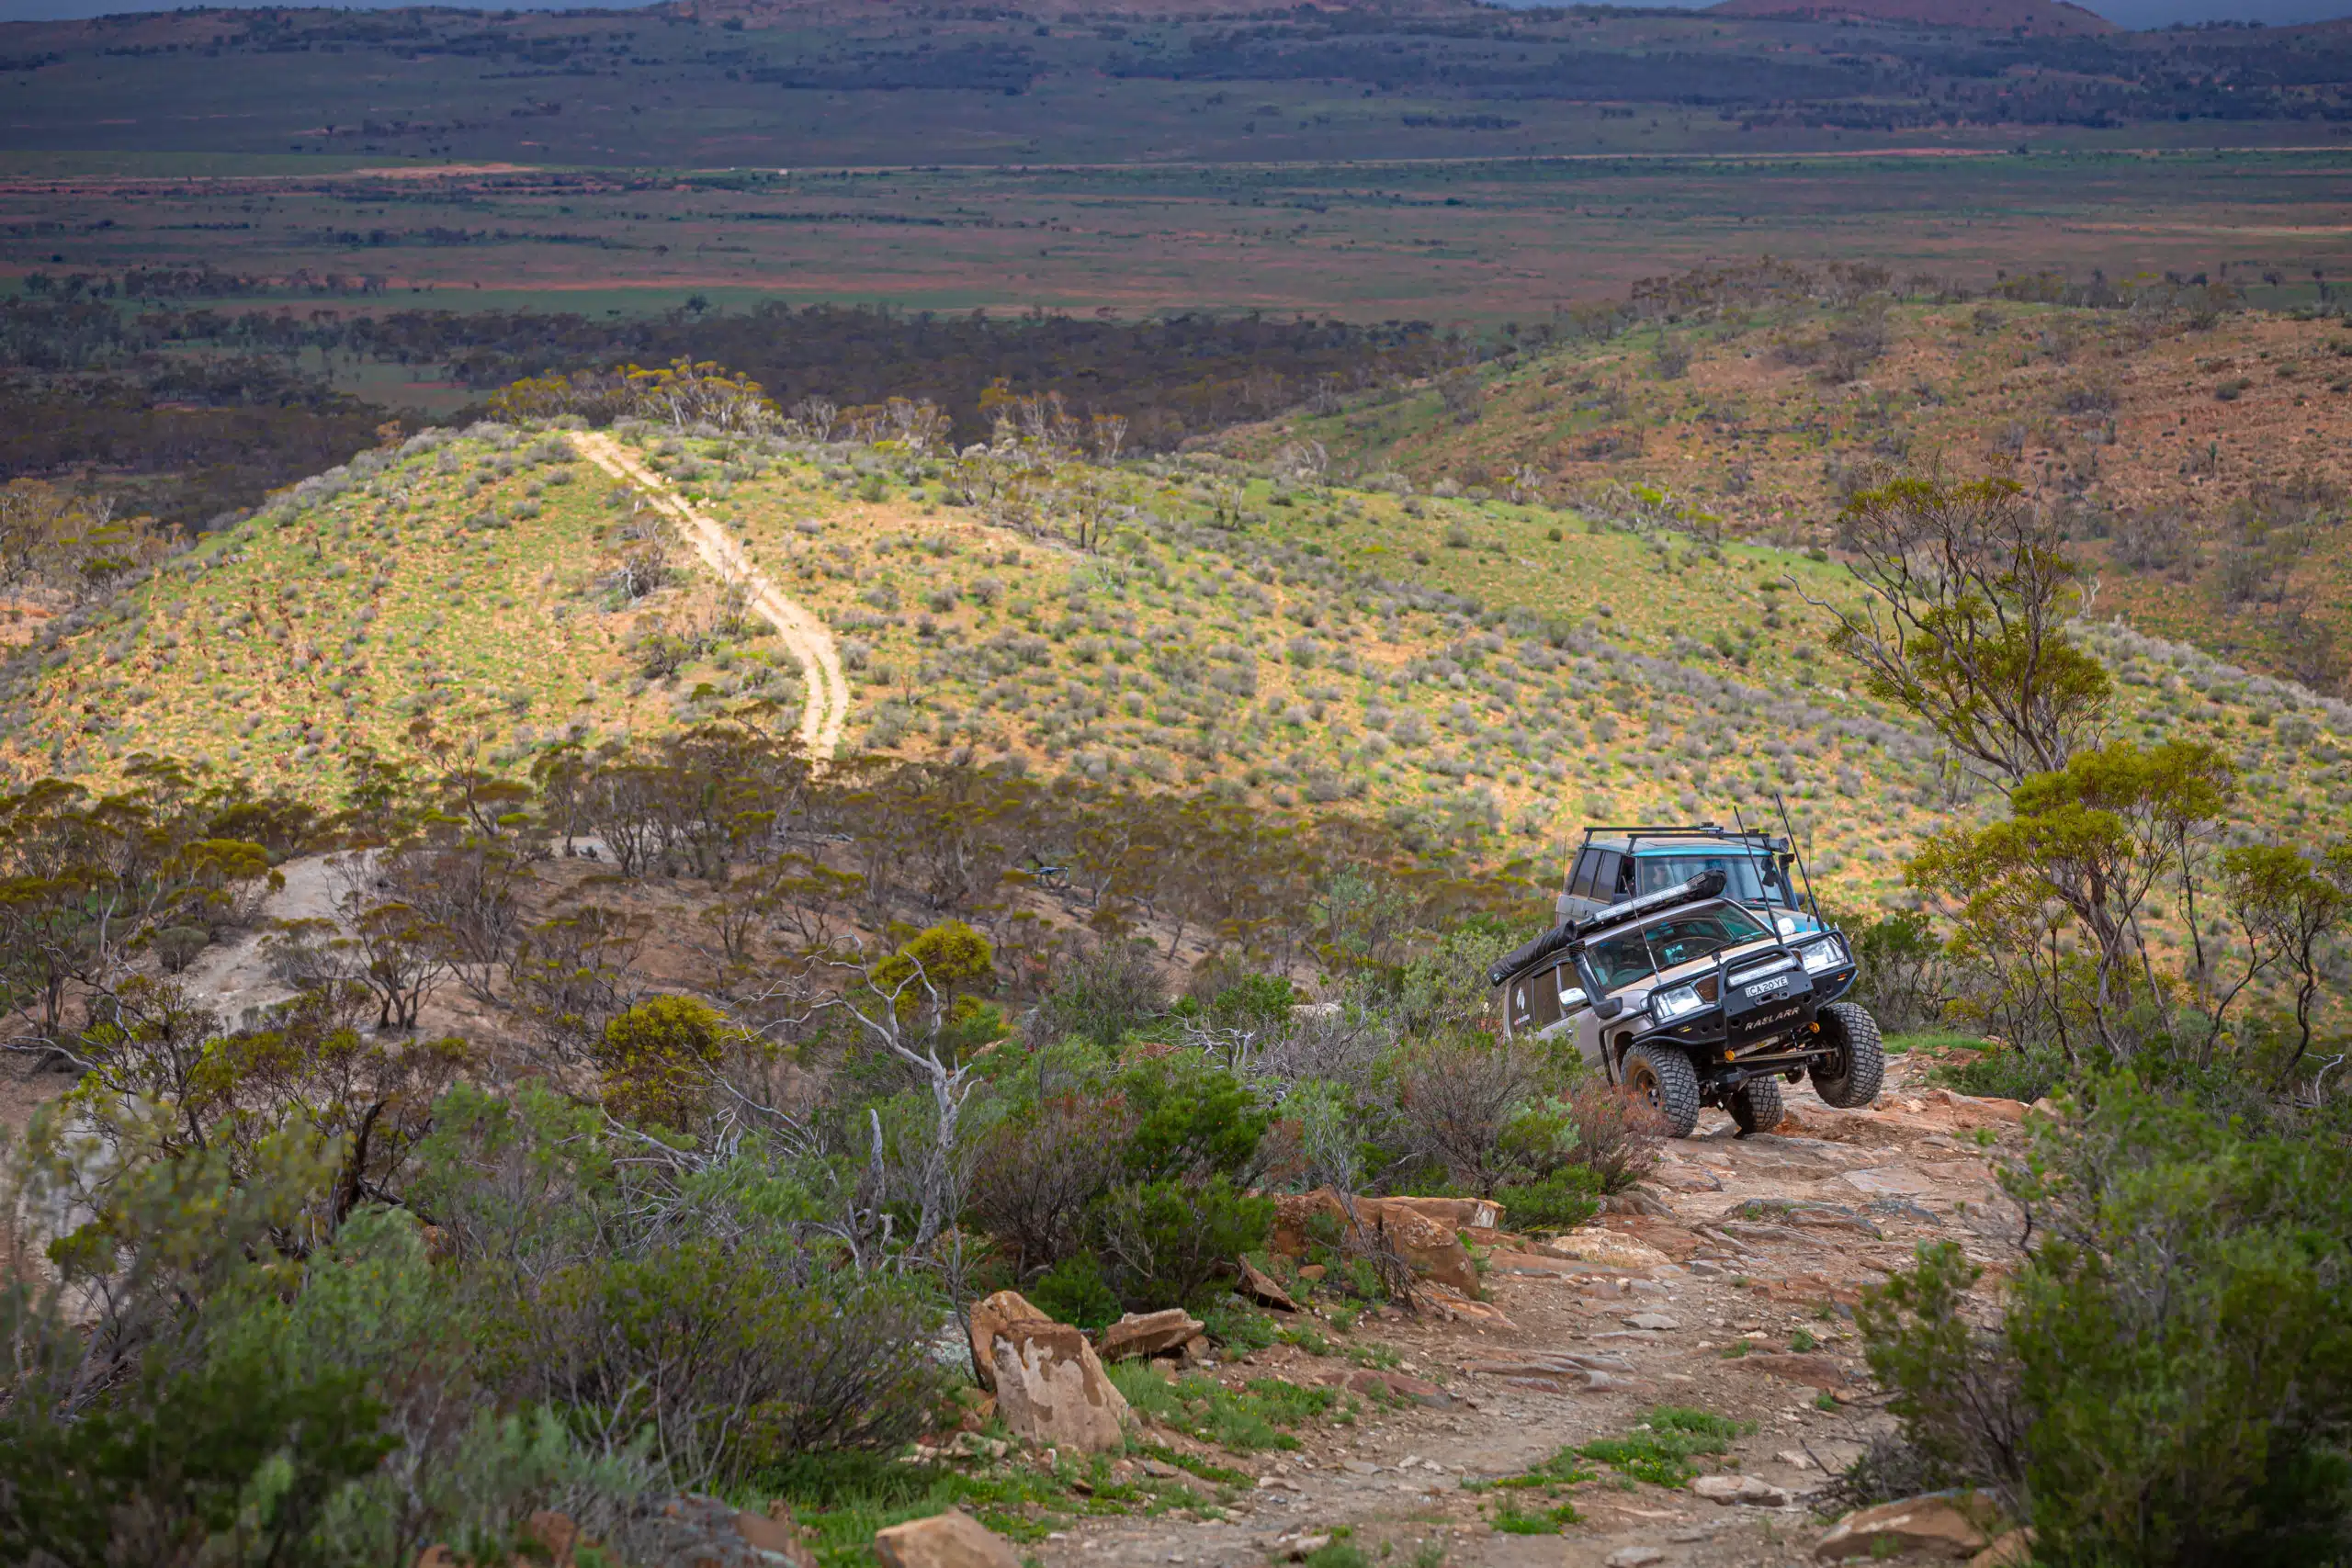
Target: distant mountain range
[[2036, 19]]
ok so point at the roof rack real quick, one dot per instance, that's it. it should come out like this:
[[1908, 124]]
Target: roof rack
[[1667, 830], [1568, 933]]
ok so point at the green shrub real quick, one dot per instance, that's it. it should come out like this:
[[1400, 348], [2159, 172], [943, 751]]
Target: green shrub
[[1072, 1292], [226, 1447], [728, 1355], [1102, 996], [1038, 1170], [1560, 1202], [1190, 1120], [1237, 1326], [1162, 1242], [2173, 1378], [2008, 1072], [656, 1059], [1902, 969]]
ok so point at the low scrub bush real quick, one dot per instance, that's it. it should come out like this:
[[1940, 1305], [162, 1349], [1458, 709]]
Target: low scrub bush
[[1618, 1134], [1039, 1169], [1102, 996], [2172, 1381], [1902, 971], [1073, 1290], [2008, 1072], [1162, 1242], [1458, 1100], [1560, 1202], [726, 1358]]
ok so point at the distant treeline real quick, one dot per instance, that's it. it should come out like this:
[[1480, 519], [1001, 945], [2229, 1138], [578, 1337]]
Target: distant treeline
[[1762, 72], [97, 384], [205, 409]]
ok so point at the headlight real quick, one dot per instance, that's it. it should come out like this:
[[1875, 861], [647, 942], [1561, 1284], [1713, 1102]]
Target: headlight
[[1821, 955], [1785, 924], [1680, 1001]]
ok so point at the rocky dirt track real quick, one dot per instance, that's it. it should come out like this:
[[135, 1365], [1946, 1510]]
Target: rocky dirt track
[[1761, 1243]]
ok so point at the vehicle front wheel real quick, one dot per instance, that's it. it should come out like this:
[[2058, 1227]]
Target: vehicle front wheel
[[1857, 1063], [1757, 1106], [1664, 1076]]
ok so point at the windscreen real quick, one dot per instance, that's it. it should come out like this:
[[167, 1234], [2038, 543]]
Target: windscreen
[[1631, 956], [1701, 934], [1619, 960], [1741, 880]]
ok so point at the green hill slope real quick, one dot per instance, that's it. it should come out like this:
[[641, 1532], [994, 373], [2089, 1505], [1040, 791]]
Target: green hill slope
[[2201, 455], [1454, 665]]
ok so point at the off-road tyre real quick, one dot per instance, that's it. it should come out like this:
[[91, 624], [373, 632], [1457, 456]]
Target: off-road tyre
[[1857, 1065], [1664, 1076], [1757, 1106]]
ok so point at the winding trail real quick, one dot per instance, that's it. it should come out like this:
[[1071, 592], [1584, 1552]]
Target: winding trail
[[826, 708]]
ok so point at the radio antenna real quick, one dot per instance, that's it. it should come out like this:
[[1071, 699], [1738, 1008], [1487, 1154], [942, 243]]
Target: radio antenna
[[1763, 882], [1802, 870]]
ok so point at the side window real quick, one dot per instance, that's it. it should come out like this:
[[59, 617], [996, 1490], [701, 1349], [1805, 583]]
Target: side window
[[1543, 998], [1522, 991], [1588, 865], [1616, 876]]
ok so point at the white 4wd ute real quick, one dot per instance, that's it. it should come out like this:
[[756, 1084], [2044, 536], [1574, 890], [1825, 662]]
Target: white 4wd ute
[[1692, 1000]]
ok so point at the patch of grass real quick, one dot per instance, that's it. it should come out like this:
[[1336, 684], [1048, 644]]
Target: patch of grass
[[1243, 1420], [1735, 1349], [1547, 1521], [1660, 1449], [1307, 1339], [1224, 1476], [1517, 1511], [1802, 1341], [1237, 1327], [1563, 1469], [846, 1498], [1338, 1554]]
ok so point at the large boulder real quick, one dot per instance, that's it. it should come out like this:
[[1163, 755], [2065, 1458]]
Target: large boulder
[[944, 1540], [1426, 1243], [1147, 1333], [1753, 1490], [1259, 1287], [1456, 1214], [1052, 1393], [1942, 1524], [990, 1318], [1605, 1247]]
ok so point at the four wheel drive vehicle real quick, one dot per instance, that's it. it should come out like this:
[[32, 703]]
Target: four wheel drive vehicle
[[1687, 996], [1759, 870]]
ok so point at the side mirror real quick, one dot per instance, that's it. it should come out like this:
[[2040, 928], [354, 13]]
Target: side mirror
[[1610, 1007], [1571, 999]]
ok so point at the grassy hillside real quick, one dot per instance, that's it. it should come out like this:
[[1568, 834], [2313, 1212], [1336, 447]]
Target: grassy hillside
[[1447, 663], [2205, 457]]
